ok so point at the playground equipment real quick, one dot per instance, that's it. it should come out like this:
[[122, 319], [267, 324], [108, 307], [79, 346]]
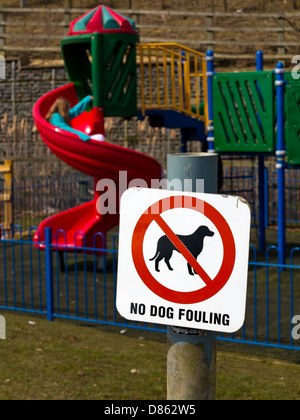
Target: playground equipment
[[257, 113], [6, 213], [99, 54], [100, 59], [173, 89], [249, 113]]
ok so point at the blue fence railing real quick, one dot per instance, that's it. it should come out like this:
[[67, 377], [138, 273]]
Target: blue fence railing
[[81, 285], [22, 268]]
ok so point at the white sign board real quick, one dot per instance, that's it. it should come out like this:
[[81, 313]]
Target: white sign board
[[183, 259]]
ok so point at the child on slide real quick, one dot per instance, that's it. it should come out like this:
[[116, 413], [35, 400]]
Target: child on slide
[[61, 114]]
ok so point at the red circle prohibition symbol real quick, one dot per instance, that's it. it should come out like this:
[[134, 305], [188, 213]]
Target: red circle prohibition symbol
[[212, 286]]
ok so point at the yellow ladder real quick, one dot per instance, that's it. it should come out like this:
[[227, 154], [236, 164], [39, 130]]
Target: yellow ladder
[[6, 219], [172, 77]]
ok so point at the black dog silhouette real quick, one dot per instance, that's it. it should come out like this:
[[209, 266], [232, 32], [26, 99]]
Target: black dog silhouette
[[193, 242]]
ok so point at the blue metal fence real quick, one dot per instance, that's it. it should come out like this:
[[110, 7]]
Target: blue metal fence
[[22, 270], [81, 285]]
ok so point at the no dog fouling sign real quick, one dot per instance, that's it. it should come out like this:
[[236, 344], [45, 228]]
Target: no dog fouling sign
[[183, 259]]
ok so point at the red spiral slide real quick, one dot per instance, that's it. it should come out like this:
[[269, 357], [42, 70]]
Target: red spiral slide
[[100, 160]]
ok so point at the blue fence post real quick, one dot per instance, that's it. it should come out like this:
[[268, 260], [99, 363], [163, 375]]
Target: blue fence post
[[209, 74], [261, 203], [266, 191], [261, 176], [49, 274], [280, 165]]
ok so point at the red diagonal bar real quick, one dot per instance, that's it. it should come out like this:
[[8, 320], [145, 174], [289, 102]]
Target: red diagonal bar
[[182, 249]]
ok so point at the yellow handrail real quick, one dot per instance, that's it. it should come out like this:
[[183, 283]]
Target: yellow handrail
[[6, 219], [172, 77]]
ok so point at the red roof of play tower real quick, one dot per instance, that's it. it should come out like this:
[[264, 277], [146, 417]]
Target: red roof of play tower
[[101, 19]]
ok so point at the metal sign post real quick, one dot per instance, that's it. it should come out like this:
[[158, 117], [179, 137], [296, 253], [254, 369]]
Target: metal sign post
[[183, 262], [191, 361]]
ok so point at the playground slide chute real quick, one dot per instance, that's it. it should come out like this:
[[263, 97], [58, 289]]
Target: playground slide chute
[[94, 158]]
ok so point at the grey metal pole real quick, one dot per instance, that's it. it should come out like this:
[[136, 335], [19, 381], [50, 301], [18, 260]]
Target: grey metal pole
[[191, 360]]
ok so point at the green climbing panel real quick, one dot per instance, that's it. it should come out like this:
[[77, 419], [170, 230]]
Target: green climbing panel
[[104, 65], [100, 58], [114, 73], [244, 112], [292, 130]]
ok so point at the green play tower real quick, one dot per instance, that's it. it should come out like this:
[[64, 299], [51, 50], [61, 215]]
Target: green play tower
[[99, 53]]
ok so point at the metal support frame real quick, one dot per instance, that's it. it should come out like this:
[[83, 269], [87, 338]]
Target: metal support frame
[[281, 163], [261, 176], [49, 273], [209, 74], [191, 358]]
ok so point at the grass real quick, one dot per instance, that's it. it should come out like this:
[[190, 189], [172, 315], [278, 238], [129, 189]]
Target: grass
[[69, 361], [246, 377]]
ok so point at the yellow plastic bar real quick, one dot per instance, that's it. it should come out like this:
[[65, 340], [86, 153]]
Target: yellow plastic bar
[[181, 85], [187, 83], [150, 76], [173, 78], [157, 76], [142, 81], [166, 101], [7, 170], [196, 86], [171, 89]]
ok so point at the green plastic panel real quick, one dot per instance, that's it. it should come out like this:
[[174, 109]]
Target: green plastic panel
[[288, 77], [114, 73], [292, 131], [104, 65], [244, 112]]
